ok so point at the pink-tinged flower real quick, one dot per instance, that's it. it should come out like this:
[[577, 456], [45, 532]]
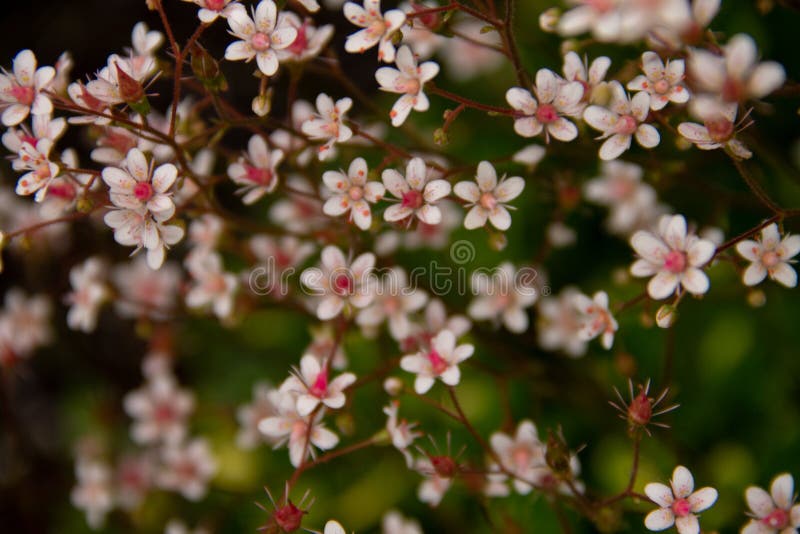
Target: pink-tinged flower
[[187, 468], [264, 404], [256, 171], [596, 319], [503, 294], [276, 258], [137, 186], [328, 124], [433, 488], [299, 213], [400, 431], [632, 204], [120, 81], [352, 193], [718, 130], [771, 256], [160, 409], [408, 79], [176, 526], [773, 512], [311, 385], [555, 98], [24, 323], [558, 324], [93, 492], [145, 44], [22, 90], [141, 229], [688, 25], [488, 198], [620, 121], [735, 76], [80, 95], [310, 39], [662, 82], [41, 171], [295, 146], [144, 292], [521, 455], [416, 192], [324, 346], [301, 433], [260, 37], [674, 256], [133, 477], [339, 282], [393, 522], [212, 286], [211, 9], [394, 300], [440, 360], [472, 52], [43, 127], [378, 29], [591, 76], [679, 504], [89, 292]]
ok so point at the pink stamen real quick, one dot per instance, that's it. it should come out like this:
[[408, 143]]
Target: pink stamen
[[777, 519], [343, 284], [438, 364], [320, 386], [412, 199], [143, 191], [626, 125], [260, 41], [487, 201]]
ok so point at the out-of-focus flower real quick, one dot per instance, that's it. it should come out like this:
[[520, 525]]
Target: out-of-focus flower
[[773, 512], [93, 492], [256, 171], [89, 292], [160, 410], [394, 300], [401, 432], [520, 455], [187, 468], [328, 124], [210, 10], [503, 294], [393, 522], [264, 404], [596, 318], [339, 282]]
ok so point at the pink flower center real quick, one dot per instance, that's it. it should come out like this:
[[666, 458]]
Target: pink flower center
[[143, 191], [488, 201], [23, 95], [412, 199], [215, 5], [438, 364], [164, 413], [681, 507], [719, 130], [260, 41], [320, 386], [770, 259], [521, 456], [675, 261], [355, 193], [661, 86], [626, 125], [258, 175], [777, 519], [300, 42], [409, 86], [546, 114], [43, 171], [343, 284]]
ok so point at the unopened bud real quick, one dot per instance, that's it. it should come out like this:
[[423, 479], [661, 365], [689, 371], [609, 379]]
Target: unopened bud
[[666, 316], [262, 104], [558, 456], [206, 69], [393, 386], [130, 90], [549, 18], [569, 45], [756, 298], [84, 205], [288, 517], [444, 466], [498, 241], [440, 137]]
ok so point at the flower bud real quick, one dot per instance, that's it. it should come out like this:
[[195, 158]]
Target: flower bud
[[130, 90], [440, 137], [569, 45], [549, 18], [756, 298], [666, 316], [393, 386], [206, 70], [558, 456], [262, 104], [444, 466], [288, 517]]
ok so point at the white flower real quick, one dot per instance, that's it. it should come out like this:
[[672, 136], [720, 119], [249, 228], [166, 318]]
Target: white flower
[[433, 488], [41, 171], [276, 257], [145, 44], [160, 409], [328, 124], [187, 468], [333, 527], [144, 292], [592, 77], [93, 491], [310, 39], [256, 171], [211, 9], [264, 404], [212, 286], [301, 433], [400, 431], [294, 145], [43, 127], [521, 455], [26, 321], [116, 79], [558, 324], [260, 36], [661, 82], [596, 319], [352, 193], [393, 522], [140, 229], [394, 300], [673, 256], [21, 91], [771, 256], [488, 197], [138, 187], [679, 504], [310, 384], [773, 512], [378, 28], [620, 121], [339, 282], [89, 291], [555, 98], [417, 193], [502, 295], [736, 75], [408, 79], [439, 361], [718, 129]]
